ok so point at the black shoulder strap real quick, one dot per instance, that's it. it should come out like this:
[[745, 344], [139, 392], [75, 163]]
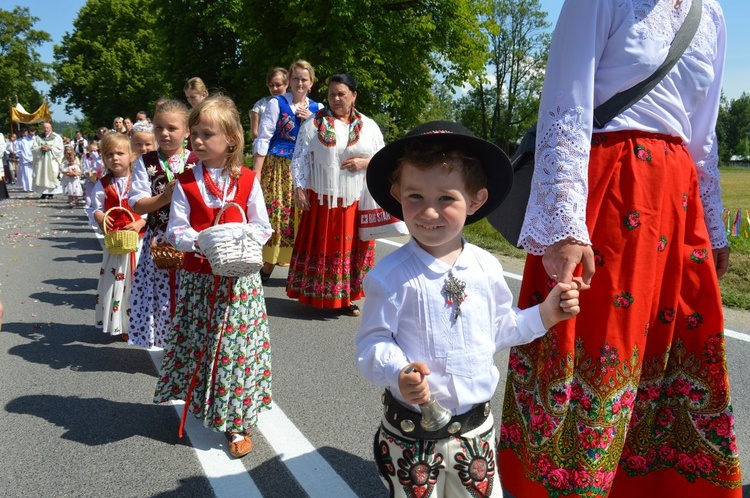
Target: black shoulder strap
[[623, 100]]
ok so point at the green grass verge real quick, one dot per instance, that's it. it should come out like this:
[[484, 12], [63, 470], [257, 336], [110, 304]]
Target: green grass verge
[[735, 285], [483, 235]]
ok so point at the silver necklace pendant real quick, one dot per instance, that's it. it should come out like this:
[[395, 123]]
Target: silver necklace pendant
[[453, 290]]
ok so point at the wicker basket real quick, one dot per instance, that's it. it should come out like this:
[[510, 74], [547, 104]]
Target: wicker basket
[[233, 249], [165, 256], [120, 241]]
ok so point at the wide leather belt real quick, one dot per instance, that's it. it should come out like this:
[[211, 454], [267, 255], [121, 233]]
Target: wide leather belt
[[408, 421]]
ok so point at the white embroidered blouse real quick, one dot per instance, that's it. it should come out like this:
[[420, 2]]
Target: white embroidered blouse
[[318, 167], [602, 47]]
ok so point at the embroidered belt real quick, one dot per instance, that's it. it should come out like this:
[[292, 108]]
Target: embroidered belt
[[408, 421]]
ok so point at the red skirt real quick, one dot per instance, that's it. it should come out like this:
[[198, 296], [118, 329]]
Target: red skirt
[[329, 260], [633, 393]]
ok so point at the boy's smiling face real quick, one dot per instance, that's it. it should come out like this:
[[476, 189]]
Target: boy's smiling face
[[435, 204]]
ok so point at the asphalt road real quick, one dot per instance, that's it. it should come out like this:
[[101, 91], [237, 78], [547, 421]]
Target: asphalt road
[[77, 417]]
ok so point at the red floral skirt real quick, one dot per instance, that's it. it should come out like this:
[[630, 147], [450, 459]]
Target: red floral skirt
[[329, 260], [632, 394]]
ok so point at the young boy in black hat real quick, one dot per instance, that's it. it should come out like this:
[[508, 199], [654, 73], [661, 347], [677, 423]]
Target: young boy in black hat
[[439, 308]]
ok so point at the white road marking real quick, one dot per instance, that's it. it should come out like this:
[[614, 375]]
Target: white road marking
[[309, 468], [737, 335], [229, 477]]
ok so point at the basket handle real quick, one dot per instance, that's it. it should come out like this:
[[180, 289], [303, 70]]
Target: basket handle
[[224, 207], [104, 225]]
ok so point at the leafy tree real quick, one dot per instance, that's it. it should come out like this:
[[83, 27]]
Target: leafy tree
[[112, 62], [20, 63], [205, 40], [505, 101], [733, 127], [394, 48]]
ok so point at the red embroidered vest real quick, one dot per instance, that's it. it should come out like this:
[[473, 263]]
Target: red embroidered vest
[[111, 199], [202, 216]]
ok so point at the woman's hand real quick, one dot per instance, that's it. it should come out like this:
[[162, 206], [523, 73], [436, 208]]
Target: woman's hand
[[354, 164], [563, 257], [721, 260], [301, 200], [302, 111]]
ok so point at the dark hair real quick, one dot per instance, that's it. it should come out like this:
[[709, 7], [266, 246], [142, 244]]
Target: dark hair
[[430, 154], [345, 79]]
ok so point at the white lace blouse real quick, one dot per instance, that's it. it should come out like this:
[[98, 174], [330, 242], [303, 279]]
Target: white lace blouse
[[599, 48]]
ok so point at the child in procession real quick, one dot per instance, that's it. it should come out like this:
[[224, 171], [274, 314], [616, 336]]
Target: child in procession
[[277, 81], [116, 274], [154, 289], [142, 137], [438, 309], [223, 318], [70, 169]]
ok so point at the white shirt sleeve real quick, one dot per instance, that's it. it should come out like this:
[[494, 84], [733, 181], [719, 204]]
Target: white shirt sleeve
[[266, 127], [378, 357], [140, 186], [179, 232], [600, 48], [97, 200]]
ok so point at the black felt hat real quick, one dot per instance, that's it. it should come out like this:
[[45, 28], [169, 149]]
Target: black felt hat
[[494, 161]]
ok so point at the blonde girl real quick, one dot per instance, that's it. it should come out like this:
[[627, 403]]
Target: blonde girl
[[195, 91], [116, 274], [142, 138], [223, 318], [70, 169], [277, 81], [153, 183], [277, 135]]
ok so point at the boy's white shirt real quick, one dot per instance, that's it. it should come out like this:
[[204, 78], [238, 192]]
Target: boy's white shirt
[[405, 318]]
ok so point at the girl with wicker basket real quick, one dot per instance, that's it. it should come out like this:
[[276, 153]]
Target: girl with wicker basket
[[156, 278], [123, 231], [218, 356]]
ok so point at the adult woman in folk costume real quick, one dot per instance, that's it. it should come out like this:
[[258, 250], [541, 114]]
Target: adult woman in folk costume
[[273, 150], [632, 394], [333, 150]]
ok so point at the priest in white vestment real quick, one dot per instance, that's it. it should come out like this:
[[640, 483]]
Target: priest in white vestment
[[48, 155]]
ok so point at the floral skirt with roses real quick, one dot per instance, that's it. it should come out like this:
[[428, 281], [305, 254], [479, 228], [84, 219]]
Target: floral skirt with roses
[[632, 394], [229, 345], [112, 310], [278, 192], [329, 261]]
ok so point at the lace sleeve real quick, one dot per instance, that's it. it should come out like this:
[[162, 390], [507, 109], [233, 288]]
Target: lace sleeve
[[710, 191], [302, 159], [557, 204], [703, 144]]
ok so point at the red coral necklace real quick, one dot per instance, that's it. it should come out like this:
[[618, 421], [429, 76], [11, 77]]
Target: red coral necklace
[[214, 189]]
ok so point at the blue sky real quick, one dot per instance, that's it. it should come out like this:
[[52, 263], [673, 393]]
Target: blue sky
[[56, 17]]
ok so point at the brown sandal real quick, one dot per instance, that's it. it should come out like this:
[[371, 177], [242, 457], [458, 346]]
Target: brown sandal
[[241, 447]]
